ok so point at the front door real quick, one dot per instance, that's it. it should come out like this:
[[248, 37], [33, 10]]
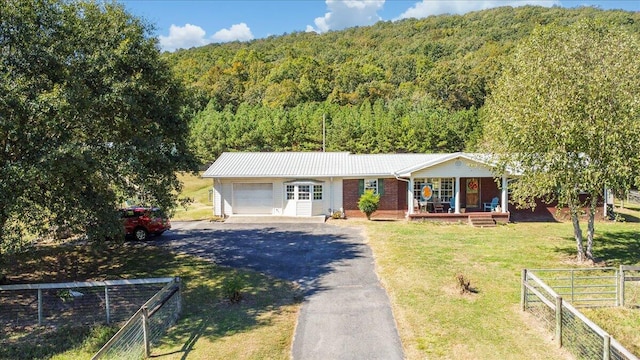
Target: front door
[[473, 193]]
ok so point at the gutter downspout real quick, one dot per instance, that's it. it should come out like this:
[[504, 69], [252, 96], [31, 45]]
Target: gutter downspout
[[409, 203]]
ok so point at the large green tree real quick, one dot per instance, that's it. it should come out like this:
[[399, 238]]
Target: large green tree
[[566, 113], [89, 116]]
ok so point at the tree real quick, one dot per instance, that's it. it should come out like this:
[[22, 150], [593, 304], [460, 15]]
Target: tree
[[368, 203], [565, 114], [89, 116]]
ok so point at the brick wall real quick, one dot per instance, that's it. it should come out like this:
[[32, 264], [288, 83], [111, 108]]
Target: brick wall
[[393, 204]]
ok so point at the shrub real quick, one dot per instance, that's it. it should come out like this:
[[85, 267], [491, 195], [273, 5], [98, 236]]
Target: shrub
[[368, 203], [232, 287]]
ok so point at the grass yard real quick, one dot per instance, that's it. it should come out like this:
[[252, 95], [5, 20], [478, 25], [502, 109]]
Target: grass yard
[[197, 189], [260, 327], [418, 264]]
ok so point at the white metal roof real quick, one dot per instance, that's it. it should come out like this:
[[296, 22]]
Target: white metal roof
[[320, 164]]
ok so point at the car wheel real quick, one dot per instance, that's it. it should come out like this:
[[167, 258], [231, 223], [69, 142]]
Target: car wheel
[[140, 234]]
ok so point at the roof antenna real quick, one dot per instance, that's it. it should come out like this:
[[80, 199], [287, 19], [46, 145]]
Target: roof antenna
[[323, 133]]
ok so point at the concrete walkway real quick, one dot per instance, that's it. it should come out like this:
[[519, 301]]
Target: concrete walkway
[[346, 313]]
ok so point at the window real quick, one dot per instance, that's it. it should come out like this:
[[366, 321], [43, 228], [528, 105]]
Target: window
[[417, 188], [291, 192], [443, 188], [303, 192], [317, 192], [371, 184], [446, 189]]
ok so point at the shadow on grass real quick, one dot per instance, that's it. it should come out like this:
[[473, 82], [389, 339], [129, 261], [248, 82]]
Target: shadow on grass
[[283, 266], [43, 342], [280, 267], [613, 247]]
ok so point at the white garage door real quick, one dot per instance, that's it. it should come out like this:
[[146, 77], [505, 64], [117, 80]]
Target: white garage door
[[252, 198]]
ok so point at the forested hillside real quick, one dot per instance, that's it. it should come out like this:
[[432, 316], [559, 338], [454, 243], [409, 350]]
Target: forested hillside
[[406, 86]]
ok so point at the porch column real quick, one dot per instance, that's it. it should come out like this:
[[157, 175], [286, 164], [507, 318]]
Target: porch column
[[505, 194], [410, 196], [457, 192]]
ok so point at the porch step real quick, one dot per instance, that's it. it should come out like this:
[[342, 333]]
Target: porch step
[[481, 220]]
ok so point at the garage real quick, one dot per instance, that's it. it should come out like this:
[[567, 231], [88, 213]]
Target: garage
[[252, 198]]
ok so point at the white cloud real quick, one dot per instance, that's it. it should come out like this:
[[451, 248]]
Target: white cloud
[[237, 32], [347, 13], [183, 37], [426, 8]]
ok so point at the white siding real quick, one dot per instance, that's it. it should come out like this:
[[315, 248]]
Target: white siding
[[455, 168], [290, 208], [336, 195], [227, 191], [303, 208], [331, 198], [218, 202], [278, 197], [317, 208]]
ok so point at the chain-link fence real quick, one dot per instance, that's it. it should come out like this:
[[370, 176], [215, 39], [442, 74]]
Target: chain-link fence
[[573, 330], [76, 303], [146, 326]]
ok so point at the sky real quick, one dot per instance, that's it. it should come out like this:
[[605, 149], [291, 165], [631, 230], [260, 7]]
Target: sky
[[188, 23]]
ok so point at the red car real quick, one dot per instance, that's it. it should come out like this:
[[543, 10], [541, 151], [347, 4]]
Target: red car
[[139, 222]]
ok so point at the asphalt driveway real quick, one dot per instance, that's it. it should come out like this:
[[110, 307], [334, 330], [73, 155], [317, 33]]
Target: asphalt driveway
[[346, 313]]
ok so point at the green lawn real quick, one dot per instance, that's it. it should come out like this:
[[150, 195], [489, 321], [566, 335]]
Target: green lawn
[[196, 189], [259, 327], [418, 264]]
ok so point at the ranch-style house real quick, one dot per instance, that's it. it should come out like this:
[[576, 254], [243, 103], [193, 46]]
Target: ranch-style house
[[447, 187]]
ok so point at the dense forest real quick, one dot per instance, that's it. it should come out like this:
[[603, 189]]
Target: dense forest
[[416, 85]]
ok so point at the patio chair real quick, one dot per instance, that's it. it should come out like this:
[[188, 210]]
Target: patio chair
[[437, 206], [491, 206], [416, 206], [452, 204]]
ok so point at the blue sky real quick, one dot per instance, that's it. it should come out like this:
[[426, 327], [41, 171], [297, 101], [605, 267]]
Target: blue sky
[[188, 23]]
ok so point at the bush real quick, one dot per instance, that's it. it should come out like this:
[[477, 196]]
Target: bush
[[368, 203], [232, 287]]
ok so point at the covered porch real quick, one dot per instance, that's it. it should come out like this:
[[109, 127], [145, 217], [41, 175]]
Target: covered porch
[[497, 218], [455, 190]]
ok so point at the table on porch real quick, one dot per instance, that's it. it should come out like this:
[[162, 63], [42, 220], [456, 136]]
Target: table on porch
[[427, 206]]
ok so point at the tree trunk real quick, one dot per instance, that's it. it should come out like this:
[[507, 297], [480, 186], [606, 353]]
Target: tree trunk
[[577, 232], [591, 225], [3, 221]]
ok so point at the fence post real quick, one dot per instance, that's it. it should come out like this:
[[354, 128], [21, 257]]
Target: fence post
[[572, 287], [559, 321], [179, 306], [106, 302], [145, 331], [617, 282], [607, 348], [39, 306], [621, 289], [523, 291]]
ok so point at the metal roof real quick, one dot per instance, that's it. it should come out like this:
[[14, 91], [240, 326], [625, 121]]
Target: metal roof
[[317, 164]]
